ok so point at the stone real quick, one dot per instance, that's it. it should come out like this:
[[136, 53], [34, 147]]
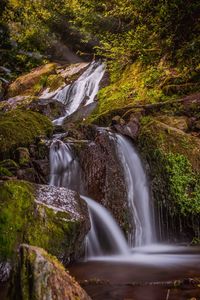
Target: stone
[[23, 156], [103, 175], [40, 276], [53, 218]]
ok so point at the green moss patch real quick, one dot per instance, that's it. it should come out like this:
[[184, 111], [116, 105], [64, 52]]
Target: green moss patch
[[174, 159], [24, 220], [144, 84], [16, 209], [20, 128]]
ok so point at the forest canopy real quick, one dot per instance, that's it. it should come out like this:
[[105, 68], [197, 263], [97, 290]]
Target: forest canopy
[[119, 30]]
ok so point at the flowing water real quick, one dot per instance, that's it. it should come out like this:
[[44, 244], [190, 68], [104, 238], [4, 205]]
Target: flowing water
[[64, 167], [114, 264], [105, 235], [138, 198], [82, 92]]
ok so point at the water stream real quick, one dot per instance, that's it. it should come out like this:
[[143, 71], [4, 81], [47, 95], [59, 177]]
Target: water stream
[[138, 195], [109, 256], [82, 92]]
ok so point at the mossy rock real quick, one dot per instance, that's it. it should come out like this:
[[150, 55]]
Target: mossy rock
[[20, 128], [24, 218], [41, 276], [54, 82], [173, 157], [5, 172], [31, 83]]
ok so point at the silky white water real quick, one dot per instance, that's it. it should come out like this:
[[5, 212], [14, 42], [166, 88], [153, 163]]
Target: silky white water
[[82, 92], [105, 235], [138, 198], [64, 168]]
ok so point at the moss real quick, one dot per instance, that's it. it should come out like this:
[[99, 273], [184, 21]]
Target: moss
[[144, 84], [54, 82], [5, 172], [22, 220], [16, 206], [9, 164], [20, 128], [174, 159]]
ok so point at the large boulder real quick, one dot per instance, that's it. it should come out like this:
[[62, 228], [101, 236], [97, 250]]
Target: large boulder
[[21, 128], [40, 276], [103, 175], [55, 219]]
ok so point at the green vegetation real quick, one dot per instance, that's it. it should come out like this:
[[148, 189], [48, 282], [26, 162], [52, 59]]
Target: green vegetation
[[22, 220], [20, 128], [175, 165], [16, 206]]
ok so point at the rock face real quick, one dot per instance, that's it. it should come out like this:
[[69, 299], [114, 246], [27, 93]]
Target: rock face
[[49, 217], [103, 176], [173, 160], [50, 76], [40, 276]]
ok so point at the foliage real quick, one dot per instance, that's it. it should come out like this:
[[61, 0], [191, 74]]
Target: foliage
[[121, 30], [174, 170], [183, 183]]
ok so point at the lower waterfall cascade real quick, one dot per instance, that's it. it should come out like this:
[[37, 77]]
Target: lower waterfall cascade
[[137, 192]]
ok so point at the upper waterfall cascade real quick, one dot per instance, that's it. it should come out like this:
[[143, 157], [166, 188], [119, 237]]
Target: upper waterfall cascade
[[82, 92]]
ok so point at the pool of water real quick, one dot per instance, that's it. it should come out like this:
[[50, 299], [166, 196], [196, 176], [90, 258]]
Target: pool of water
[[150, 273]]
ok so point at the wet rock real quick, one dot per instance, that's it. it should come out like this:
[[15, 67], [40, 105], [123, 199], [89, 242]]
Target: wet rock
[[41, 276], [103, 176], [79, 115], [48, 107], [129, 128], [45, 216]]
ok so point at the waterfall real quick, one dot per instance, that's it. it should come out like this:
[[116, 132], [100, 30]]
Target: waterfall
[[105, 236], [137, 192], [64, 168], [82, 92]]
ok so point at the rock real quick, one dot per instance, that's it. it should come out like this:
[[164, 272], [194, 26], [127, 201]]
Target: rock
[[23, 156], [40, 276], [31, 83], [44, 80], [45, 216], [5, 270], [129, 128], [79, 115], [48, 107], [30, 174], [173, 160], [179, 122], [103, 175], [20, 128]]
